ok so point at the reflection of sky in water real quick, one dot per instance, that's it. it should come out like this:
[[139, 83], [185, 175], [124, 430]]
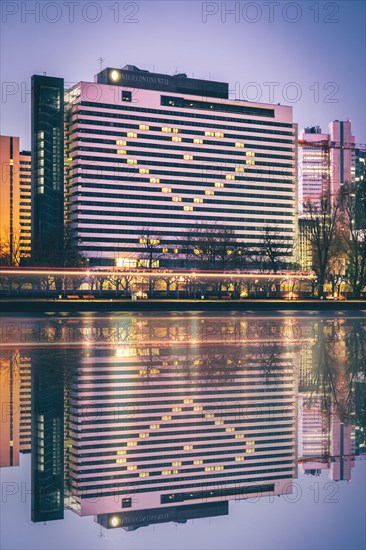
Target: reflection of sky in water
[[190, 398]]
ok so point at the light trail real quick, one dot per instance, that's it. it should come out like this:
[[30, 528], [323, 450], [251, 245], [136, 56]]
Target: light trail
[[155, 274]]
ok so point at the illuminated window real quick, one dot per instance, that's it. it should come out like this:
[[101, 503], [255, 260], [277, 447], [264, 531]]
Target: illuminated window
[[219, 184], [166, 129], [219, 134], [239, 169], [154, 180], [198, 462], [120, 142], [238, 144], [166, 417], [188, 157], [176, 251], [144, 434], [219, 467], [176, 409], [209, 415], [165, 250], [197, 200], [188, 401], [250, 162], [239, 436], [154, 426], [144, 127], [166, 189], [208, 192], [197, 251], [176, 464], [176, 199], [131, 135], [130, 468], [239, 458], [121, 151], [177, 139], [212, 134], [175, 130], [121, 452], [197, 140], [187, 447], [144, 170], [187, 208], [131, 161], [197, 408], [131, 443], [250, 154], [166, 472], [142, 241], [230, 429], [175, 471], [120, 460], [230, 177], [144, 474], [219, 422]]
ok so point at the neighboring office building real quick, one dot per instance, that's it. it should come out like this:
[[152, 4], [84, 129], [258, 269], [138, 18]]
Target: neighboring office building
[[25, 215], [326, 167], [15, 186], [159, 154], [312, 166], [360, 188], [47, 169]]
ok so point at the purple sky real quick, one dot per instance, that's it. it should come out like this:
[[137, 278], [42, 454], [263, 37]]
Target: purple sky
[[319, 46]]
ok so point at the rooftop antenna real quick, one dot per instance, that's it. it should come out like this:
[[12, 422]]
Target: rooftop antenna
[[44, 73], [101, 61]]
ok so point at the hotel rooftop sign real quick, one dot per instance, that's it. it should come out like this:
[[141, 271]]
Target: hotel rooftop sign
[[132, 77]]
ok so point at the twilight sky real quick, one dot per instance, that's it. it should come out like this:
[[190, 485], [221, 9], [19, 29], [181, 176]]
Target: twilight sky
[[311, 55]]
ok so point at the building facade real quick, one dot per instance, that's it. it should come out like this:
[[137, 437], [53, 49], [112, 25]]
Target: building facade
[[47, 169], [326, 162], [15, 208], [151, 158]]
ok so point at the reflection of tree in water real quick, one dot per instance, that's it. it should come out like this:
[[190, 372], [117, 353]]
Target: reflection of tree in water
[[340, 361]]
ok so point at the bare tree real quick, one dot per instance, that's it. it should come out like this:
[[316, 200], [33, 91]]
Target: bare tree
[[10, 250], [324, 223], [276, 250], [353, 244]]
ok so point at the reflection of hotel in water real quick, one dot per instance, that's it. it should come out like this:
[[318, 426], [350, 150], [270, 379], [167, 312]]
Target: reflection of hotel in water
[[179, 418]]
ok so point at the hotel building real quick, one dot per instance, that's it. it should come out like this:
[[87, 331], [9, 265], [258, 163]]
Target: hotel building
[[149, 157]]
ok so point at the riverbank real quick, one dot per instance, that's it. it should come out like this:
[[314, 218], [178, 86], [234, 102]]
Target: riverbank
[[32, 306]]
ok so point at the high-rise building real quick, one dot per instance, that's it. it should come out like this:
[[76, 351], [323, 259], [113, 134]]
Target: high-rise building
[[15, 208], [312, 165], [151, 156], [47, 169], [326, 161], [25, 218], [9, 197], [342, 155]]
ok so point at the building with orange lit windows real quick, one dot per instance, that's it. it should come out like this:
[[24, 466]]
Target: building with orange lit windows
[[15, 201]]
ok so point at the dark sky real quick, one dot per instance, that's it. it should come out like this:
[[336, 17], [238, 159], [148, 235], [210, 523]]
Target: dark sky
[[312, 52]]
